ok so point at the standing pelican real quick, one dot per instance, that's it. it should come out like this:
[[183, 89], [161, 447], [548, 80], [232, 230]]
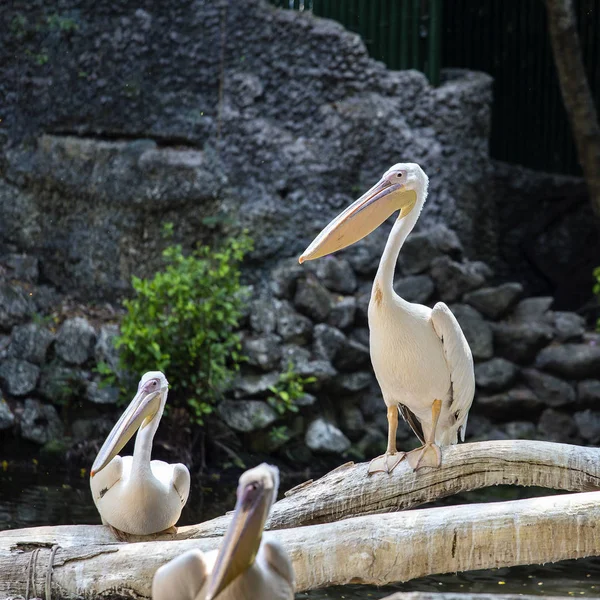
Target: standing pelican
[[133, 494], [244, 568], [420, 355]]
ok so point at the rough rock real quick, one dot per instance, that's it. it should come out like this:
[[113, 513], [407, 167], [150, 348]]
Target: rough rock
[[588, 392], [354, 382], [291, 326], [91, 428], [45, 298], [321, 370], [282, 280], [305, 400], [363, 297], [313, 299], [22, 267], [477, 331], [572, 361], [102, 394], [453, 279], [372, 443], [361, 335], [263, 352], [588, 424], [7, 418], [294, 355], [263, 315], [15, 305], [495, 302], [323, 436], [520, 430], [422, 247], [75, 341], [105, 350], [336, 274], [569, 327], [495, 375], [30, 342], [246, 415], [40, 423], [59, 384], [556, 426], [371, 401], [342, 312], [518, 401], [351, 356], [254, 385], [19, 376], [521, 341], [532, 309], [327, 341], [352, 421], [4, 345], [550, 390], [415, 288]]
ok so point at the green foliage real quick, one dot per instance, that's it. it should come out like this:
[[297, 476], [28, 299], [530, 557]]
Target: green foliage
[[289, 388], [278, 436], [61, 23], [182, 321], [597, 290]]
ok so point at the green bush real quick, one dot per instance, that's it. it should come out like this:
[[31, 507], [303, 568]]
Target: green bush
[[183, 322], [287, 390], [597, 290]]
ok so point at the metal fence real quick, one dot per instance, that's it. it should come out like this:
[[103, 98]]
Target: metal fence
[[506, 38]]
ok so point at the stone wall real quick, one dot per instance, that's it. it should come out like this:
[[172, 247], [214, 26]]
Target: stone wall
[[537, 370], [112, 124]]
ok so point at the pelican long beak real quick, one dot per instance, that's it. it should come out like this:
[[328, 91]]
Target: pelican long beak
[[361, 218], [242, 540], [138, 414]]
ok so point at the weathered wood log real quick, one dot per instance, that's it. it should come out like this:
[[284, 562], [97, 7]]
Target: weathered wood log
[[348, 491], [375, 549]]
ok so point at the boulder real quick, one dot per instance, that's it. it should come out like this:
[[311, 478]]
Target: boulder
[[568, 326], [60, 384], [422, 247], [353, 382], [351, 356], [588, 424], [363, 297], [495, 302], [323, 436], [313, 299], [75, 341], [549, 389], [371, 401], [19, 376], [291, 326], [4, 344], [22, 267], [305, 400], [495, 375], [246, 415], [15, 305], [7, 418], [477, 331], [105, 350], [284, 276], [521, 341], [321, 370], [556, 426], [254, 385], [361, 335], [263, 315], [572, 361], [415, 288], [453, 279], [532, 309], [342, 312], [520, 430], [588, 392], [516, 402], [30, 342], [40, 423], [352, 421], [263, 352], [336, 274], [100, 393], [83, 430], [327, 341]]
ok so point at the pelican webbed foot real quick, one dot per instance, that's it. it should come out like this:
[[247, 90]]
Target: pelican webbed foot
[[168, 531], [428, 455], [386, 463], [120, 535]]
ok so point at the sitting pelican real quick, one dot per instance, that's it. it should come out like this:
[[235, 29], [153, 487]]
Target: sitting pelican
[[420, 356], [133, 494], [244, 568]]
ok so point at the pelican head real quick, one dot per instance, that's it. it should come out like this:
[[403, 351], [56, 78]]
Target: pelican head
[[398, 189], [149, 399], [256, 492]]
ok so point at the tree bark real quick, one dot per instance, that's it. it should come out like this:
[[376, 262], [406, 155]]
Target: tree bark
[[374, 549], [576, 93], [348, 490]]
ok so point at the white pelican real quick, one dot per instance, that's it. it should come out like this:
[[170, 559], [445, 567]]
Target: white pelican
[[133, 494], [244, 568], [420, 356]]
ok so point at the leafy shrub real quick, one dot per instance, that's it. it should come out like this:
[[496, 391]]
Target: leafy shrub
[[289, 388], [182, 321]]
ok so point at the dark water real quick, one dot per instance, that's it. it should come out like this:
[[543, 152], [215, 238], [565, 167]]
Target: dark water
[[31, 496]]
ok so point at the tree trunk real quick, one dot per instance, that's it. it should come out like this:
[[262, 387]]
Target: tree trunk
[[374, 549], [576, 93]]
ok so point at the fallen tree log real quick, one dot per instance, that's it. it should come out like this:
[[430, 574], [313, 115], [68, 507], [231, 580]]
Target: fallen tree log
[[348, 491], [374, 549]]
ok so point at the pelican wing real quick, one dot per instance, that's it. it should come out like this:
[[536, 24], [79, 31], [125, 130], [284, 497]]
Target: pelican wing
[[412, 420], [279, 562], [460, 364], [102, 482], [182, 578]]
